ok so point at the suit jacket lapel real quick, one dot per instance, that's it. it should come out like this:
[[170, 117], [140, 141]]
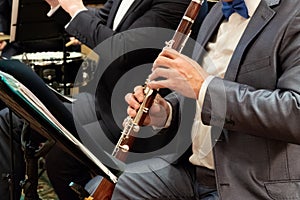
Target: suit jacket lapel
[[209, 27], [113, 11], [259, 20]]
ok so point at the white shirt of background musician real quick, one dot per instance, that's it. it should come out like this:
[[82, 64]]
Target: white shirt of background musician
[[122, 10], [219, 53]]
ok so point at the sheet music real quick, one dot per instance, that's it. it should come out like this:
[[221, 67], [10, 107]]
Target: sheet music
[[23, 92]]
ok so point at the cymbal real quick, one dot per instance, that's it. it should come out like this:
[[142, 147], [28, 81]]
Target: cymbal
[[4, 37]]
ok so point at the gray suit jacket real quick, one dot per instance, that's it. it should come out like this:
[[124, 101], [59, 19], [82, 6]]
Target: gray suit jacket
[[255, 110]]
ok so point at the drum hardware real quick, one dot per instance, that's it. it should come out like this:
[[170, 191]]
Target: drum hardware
[[32, 155], [4, 37], [85, 73], [10, 176]]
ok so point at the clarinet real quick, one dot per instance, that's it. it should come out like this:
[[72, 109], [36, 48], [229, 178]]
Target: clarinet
[[132, 125]]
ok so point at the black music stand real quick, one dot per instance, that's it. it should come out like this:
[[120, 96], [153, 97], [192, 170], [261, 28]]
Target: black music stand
[[47, 115]]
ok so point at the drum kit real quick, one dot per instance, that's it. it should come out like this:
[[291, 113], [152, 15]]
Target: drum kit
[[57, 72], [60, 70]]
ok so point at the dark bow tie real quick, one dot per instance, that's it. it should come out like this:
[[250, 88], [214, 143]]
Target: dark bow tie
[[238, 6]]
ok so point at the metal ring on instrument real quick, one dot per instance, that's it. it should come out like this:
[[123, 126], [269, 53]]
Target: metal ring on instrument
[[188, 19]]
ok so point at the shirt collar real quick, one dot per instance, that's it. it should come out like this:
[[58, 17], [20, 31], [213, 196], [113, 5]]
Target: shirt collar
[[251, 6]]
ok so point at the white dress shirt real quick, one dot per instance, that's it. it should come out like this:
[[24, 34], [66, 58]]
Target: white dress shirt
[[122, 10], [219, 53]]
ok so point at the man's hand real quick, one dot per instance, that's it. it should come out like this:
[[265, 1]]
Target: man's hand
[[2, 43], [73, 41], [158, 112], [52, 3], [179, 73], [72, 6]]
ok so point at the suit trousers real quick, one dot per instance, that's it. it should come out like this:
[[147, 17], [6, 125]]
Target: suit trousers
[[153, 178], [157, 179]]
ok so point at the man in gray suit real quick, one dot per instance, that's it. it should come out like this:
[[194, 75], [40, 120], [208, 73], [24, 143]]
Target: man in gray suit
[[246, 131]]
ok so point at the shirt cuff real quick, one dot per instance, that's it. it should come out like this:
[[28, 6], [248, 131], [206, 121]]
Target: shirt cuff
[[53, 10], [169, 120], [203, 90]]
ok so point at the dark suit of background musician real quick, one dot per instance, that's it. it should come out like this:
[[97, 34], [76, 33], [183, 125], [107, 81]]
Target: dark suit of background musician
[[91, 27], [257, 154], [149, 13]]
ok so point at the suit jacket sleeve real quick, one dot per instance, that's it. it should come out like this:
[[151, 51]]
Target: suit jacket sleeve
[[270, 113], [62, 17]]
